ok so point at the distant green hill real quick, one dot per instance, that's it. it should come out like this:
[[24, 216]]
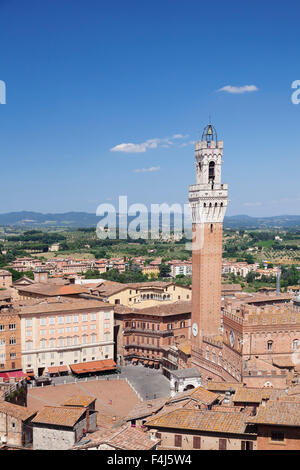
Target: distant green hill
[[84, 219]]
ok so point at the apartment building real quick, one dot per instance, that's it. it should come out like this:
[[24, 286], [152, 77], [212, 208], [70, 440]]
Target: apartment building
[[25, 264], [10, 340], [66, 332], [143, 335], [180, 267], [238, 268]]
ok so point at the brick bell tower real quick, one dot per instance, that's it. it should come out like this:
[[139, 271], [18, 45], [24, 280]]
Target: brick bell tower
[[208, 201]]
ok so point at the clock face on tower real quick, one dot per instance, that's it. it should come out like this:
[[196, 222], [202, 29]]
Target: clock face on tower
[[195, 329]]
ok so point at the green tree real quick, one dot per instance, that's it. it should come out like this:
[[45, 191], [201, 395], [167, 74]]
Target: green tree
[[164, 270], [92, 274]]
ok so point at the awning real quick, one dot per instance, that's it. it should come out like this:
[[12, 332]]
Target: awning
[[57, 369], [53, 370], [17, 374], [151, 363], [93, 366], [135, 359], [145, 362]]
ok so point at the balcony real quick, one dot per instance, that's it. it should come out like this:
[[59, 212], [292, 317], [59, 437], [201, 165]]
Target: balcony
[[162, 334], [143, 346], [141, 357], [172, 361]]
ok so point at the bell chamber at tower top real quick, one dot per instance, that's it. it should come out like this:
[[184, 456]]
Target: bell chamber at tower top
[[208, 197]]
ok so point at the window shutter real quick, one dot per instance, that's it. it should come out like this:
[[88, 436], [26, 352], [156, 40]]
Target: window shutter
[[178, 440], [222, 444], [196, 442]]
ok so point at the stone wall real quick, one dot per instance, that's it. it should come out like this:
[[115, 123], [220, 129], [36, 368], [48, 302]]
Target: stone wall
[[291, 438], [52, 439], [207, 441]]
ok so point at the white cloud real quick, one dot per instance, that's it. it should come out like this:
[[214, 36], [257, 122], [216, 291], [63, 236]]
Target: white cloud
[[130, 148], [252, 204], [165, 142], [179, 136], [238, 89], [146, 170]]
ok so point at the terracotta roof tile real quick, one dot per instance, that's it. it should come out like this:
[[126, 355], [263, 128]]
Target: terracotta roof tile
[[20, 412], [174, 308], [61, 416], [63, 305], [278, 413], [223, 386], [52, 290], [185, 347], [248, 395], [199, 394], [79, 400], [200, 420], [131, 438], [146, 408]]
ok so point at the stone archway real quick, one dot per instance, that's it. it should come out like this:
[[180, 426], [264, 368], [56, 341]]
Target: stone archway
[[188, 387]]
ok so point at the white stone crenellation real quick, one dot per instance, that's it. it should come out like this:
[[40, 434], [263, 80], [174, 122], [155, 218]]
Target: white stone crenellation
[[208, 197]]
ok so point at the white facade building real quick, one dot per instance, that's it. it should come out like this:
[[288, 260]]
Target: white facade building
[[68, 332]]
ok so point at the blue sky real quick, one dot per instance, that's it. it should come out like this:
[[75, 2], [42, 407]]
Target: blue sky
[[84, 77]]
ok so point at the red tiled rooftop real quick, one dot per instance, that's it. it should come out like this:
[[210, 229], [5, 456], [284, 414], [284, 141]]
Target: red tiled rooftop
[[93, 366], [61, 416]]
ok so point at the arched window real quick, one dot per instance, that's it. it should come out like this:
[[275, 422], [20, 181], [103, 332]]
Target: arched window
[[211, 172], [213, 356], [220, 359], [270, 345], [295, 344], [211, 228]]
